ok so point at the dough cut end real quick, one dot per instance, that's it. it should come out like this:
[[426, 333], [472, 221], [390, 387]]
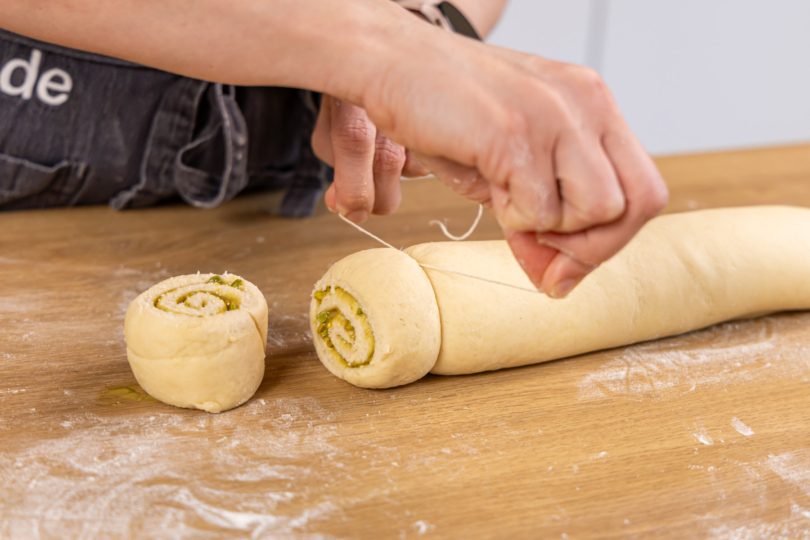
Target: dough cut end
[[375, 321]]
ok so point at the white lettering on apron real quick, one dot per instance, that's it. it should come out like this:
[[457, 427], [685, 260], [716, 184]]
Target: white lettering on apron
[[52, 89]]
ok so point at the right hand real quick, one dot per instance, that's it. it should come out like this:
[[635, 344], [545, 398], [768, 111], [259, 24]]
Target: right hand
[[541, 143]]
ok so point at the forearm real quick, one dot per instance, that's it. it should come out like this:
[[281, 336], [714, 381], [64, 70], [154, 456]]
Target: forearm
[[483, 14], [335, 46]]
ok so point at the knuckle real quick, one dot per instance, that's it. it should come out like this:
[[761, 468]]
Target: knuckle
[[654, 198], [548, 221], [355, 135], [471, 188], [589, 78], [387, 205], [595, 88], [389, 157], [659, 196], [357, 200], [512, 150], [605, 210], [355, 196], [514, 124]]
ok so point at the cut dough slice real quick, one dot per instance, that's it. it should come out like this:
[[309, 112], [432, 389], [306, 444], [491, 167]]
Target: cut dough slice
[[198, 341], [680, 273]]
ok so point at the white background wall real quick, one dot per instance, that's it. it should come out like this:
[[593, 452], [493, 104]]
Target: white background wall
[[689, 75]]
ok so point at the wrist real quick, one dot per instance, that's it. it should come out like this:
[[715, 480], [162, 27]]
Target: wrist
[[384, 44]]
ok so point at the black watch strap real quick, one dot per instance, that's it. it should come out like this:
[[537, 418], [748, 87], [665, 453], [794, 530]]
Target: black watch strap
[[442, 14], [457, 20]]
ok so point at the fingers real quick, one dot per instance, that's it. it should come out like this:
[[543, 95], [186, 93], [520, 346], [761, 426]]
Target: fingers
[[551, 271], [563, 260], [353, 141], [589, 188], [389, 160], [322, 134], [531, 198], [413, 167], [466, 181], [578, 190], [368, 166], [645, 196], [533, 257]]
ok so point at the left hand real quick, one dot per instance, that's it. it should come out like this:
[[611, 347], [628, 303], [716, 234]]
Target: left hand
[[368, 166]]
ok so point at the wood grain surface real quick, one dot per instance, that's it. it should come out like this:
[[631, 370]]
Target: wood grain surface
[[704, 435]]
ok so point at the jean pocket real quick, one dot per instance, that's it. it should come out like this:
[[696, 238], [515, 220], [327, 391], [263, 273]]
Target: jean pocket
[[24, 184]]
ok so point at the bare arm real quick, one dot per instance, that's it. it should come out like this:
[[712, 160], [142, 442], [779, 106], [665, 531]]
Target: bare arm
[[541, 143], [298, 43]]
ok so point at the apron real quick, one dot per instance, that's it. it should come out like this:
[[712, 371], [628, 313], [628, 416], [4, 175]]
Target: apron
[[78, 128]]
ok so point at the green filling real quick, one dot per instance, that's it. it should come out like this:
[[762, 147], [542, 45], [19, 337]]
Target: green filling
[[328, 318], [232, 303]]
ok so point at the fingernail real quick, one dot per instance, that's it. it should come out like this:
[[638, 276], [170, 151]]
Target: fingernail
[[562, 288], [358, 216], [544, 241]]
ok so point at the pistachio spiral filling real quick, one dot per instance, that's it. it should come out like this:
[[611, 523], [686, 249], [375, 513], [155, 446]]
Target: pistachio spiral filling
[[343, 327], [203, 299]]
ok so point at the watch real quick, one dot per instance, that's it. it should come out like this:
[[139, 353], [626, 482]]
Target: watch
[[442, 14]]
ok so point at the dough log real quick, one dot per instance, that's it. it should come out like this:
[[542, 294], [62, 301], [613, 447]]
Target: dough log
[[682, 272], [198, 341]]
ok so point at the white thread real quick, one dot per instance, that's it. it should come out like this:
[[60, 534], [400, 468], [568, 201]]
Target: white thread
[[362, 230], [386, 244], [466, 234]]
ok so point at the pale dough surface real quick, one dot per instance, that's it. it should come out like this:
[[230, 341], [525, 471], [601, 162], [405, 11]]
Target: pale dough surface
[[198, 355], [397, 299], [680, 273]]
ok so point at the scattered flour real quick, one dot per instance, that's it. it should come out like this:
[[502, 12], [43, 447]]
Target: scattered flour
[[777, 486], [113, 477], [792, 467], [703, 436], [737, 424], [421, 527], [727, 354], [796, 527]]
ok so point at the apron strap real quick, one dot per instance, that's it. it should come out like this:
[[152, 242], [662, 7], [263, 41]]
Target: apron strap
[[206, 177], [205, 169]]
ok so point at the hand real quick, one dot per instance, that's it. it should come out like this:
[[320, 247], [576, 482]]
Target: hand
[[541, 143], [368, 166]]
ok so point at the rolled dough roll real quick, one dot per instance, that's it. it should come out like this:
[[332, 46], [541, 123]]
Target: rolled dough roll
[[680, 273], [198, 341]]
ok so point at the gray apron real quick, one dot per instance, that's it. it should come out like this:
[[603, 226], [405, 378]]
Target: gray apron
[[77, 128]]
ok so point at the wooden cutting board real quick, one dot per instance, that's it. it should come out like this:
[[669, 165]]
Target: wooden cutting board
[[705, 435]]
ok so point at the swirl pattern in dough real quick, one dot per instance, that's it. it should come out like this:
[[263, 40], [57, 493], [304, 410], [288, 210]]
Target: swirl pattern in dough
[[198, 341], [375, 320], [344, 327]]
